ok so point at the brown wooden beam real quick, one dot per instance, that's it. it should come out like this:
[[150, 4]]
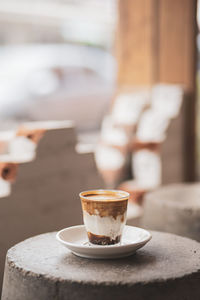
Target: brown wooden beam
[[177, 64], [156, 42], [135, 47]]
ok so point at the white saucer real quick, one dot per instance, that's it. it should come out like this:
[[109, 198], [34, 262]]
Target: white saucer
[[75, 239]]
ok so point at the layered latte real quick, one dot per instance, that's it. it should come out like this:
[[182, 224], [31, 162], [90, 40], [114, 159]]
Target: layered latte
[[104, 215]]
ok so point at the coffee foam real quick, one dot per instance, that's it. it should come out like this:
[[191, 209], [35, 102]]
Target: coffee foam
[[101, 197], [105, 197]]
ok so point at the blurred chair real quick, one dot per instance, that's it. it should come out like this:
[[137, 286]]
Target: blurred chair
[[41, 190]]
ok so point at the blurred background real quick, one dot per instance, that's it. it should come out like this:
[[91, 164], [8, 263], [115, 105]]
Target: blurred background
[[56, 59], [59, 57], [125, 72], [127, 62]]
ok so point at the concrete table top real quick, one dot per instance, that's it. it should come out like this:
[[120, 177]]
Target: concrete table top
[[168, 267]]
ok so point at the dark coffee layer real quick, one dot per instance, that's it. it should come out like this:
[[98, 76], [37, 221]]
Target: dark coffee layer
[[102, 239], [104, 203], [105, 209]]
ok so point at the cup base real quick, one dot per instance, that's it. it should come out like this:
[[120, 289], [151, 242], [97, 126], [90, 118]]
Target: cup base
[[102, 239]]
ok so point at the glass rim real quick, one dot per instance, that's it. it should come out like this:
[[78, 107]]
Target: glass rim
[[84, 194]]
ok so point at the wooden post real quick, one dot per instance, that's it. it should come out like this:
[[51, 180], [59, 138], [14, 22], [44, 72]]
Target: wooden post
[[177, 64], [156, 42], [135, 47]]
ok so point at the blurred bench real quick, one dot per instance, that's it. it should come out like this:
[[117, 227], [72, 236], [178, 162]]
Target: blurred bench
[[39, 188]]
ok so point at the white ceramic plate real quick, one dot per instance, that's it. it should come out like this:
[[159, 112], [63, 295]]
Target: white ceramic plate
[[75, 239]]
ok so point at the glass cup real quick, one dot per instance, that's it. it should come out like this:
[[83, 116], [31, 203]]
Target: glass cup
[[104, 215]]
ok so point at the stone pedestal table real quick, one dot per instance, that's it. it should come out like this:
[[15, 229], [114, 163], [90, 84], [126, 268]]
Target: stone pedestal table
[[168, 267]]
